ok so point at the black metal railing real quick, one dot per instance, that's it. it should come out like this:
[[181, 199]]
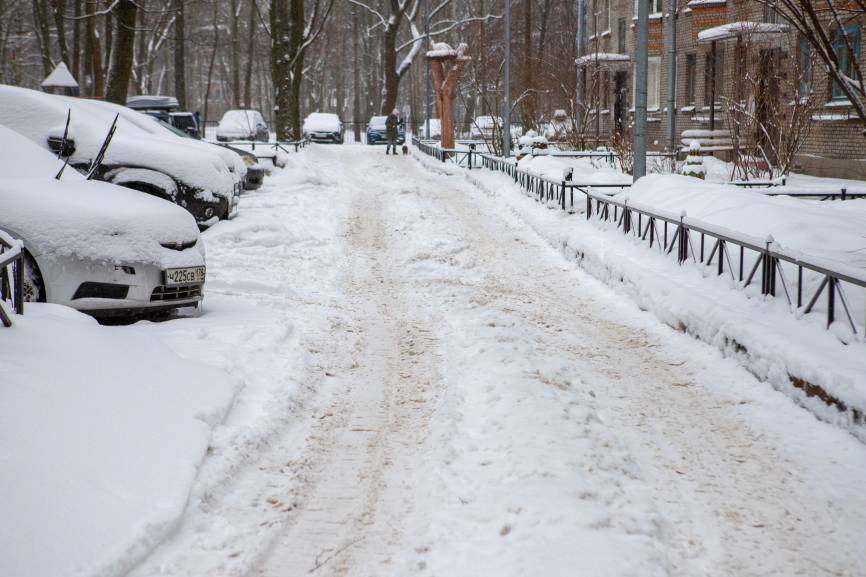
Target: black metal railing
[[11, 286], [550, 191], [284, 145], [803, 280]]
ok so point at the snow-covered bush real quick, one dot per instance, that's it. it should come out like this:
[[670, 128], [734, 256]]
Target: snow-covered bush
[[694, 165]]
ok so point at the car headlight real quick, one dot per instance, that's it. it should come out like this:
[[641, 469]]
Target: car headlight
[[250, 160]]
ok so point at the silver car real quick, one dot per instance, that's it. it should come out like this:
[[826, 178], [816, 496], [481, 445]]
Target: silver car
[[94, 246]]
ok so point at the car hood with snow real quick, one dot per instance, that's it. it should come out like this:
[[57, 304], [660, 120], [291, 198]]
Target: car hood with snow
[[41, 116], [84, 218]]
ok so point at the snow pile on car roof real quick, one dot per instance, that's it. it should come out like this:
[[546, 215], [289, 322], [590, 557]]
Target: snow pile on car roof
[[103, 431], [322, 121], [39, 116]]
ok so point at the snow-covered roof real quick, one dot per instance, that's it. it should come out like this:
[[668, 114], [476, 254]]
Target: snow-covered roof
[[735, 29], [606, 57], [60, 77], [701, 3]]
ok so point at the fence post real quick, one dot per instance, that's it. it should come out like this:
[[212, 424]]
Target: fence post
[[831, 300], [471, 150], [626, 218], [19, 285], [588, 205], [844, 192], [682, 240], [768, 270]]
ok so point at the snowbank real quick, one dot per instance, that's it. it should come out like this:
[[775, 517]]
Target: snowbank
[[583, 171], [103, 432], [827, 231]]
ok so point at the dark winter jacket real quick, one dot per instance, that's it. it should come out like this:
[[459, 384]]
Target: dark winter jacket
[[391, 124]]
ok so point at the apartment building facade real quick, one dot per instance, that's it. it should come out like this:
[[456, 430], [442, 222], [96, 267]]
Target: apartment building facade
[[719, 46]]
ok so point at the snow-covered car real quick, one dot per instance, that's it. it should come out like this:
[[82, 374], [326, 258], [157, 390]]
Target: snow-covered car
[[189, 175], [435, 129], [377, 131], [97, 247], [242, 125], [166, 108], [323, 127]]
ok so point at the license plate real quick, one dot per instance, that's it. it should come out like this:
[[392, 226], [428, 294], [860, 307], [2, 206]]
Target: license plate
[[180, 276]]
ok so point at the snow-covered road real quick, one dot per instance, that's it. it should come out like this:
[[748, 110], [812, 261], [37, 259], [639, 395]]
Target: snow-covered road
[[433, 390]]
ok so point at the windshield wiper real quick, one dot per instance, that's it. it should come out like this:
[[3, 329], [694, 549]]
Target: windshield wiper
[[97, 161], [63, 146]]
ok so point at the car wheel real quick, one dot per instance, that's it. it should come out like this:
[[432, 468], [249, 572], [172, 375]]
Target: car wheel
[[34, 287]]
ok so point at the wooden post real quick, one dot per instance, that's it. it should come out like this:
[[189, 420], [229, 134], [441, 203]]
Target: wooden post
[[446, 67]]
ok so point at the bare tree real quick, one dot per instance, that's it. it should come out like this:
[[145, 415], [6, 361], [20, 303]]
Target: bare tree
[[822, 25], [122, 50], [293, 31]]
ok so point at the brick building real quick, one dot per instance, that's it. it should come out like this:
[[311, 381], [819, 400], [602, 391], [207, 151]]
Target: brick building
[[718, 42]]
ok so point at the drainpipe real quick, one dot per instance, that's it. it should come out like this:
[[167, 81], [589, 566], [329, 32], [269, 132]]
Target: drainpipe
[[713, 85], [581, 32], [672, 75], [642, 62]]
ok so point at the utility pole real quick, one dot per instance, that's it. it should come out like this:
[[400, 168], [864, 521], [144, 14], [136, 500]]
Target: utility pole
[[672, 74], [581, 32], [427, 70], [506, 98], [642, 63]]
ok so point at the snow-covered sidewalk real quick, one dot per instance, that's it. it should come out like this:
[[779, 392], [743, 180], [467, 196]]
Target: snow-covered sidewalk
[[422, 385]]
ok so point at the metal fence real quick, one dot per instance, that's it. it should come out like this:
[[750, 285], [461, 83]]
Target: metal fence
[[11, 285], [802, 280]]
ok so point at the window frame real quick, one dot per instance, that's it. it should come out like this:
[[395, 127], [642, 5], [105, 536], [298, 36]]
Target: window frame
[[836, 92], [806, 69], [691, 79]]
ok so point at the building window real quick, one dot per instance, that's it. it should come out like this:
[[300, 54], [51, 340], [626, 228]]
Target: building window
[[602, 15], [656, 7], [805, 70], [620, 36], [849, 60], [691, 76], [771, 15], [708, 69], [653, 84]]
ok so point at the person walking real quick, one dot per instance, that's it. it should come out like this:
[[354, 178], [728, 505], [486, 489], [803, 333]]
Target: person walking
[[392, 131]]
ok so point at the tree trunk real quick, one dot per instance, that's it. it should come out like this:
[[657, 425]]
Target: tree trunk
[[58, 8], [281, 67], [356, 75], [179, 56], [122, 50], [76, 43], [236, 54], [213, 54], [251, 50], [43, 33], [389, 65]]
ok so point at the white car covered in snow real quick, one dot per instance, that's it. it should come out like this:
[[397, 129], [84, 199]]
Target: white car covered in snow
[[197, 179], [323, 127], [100, 248], [242, 125]]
